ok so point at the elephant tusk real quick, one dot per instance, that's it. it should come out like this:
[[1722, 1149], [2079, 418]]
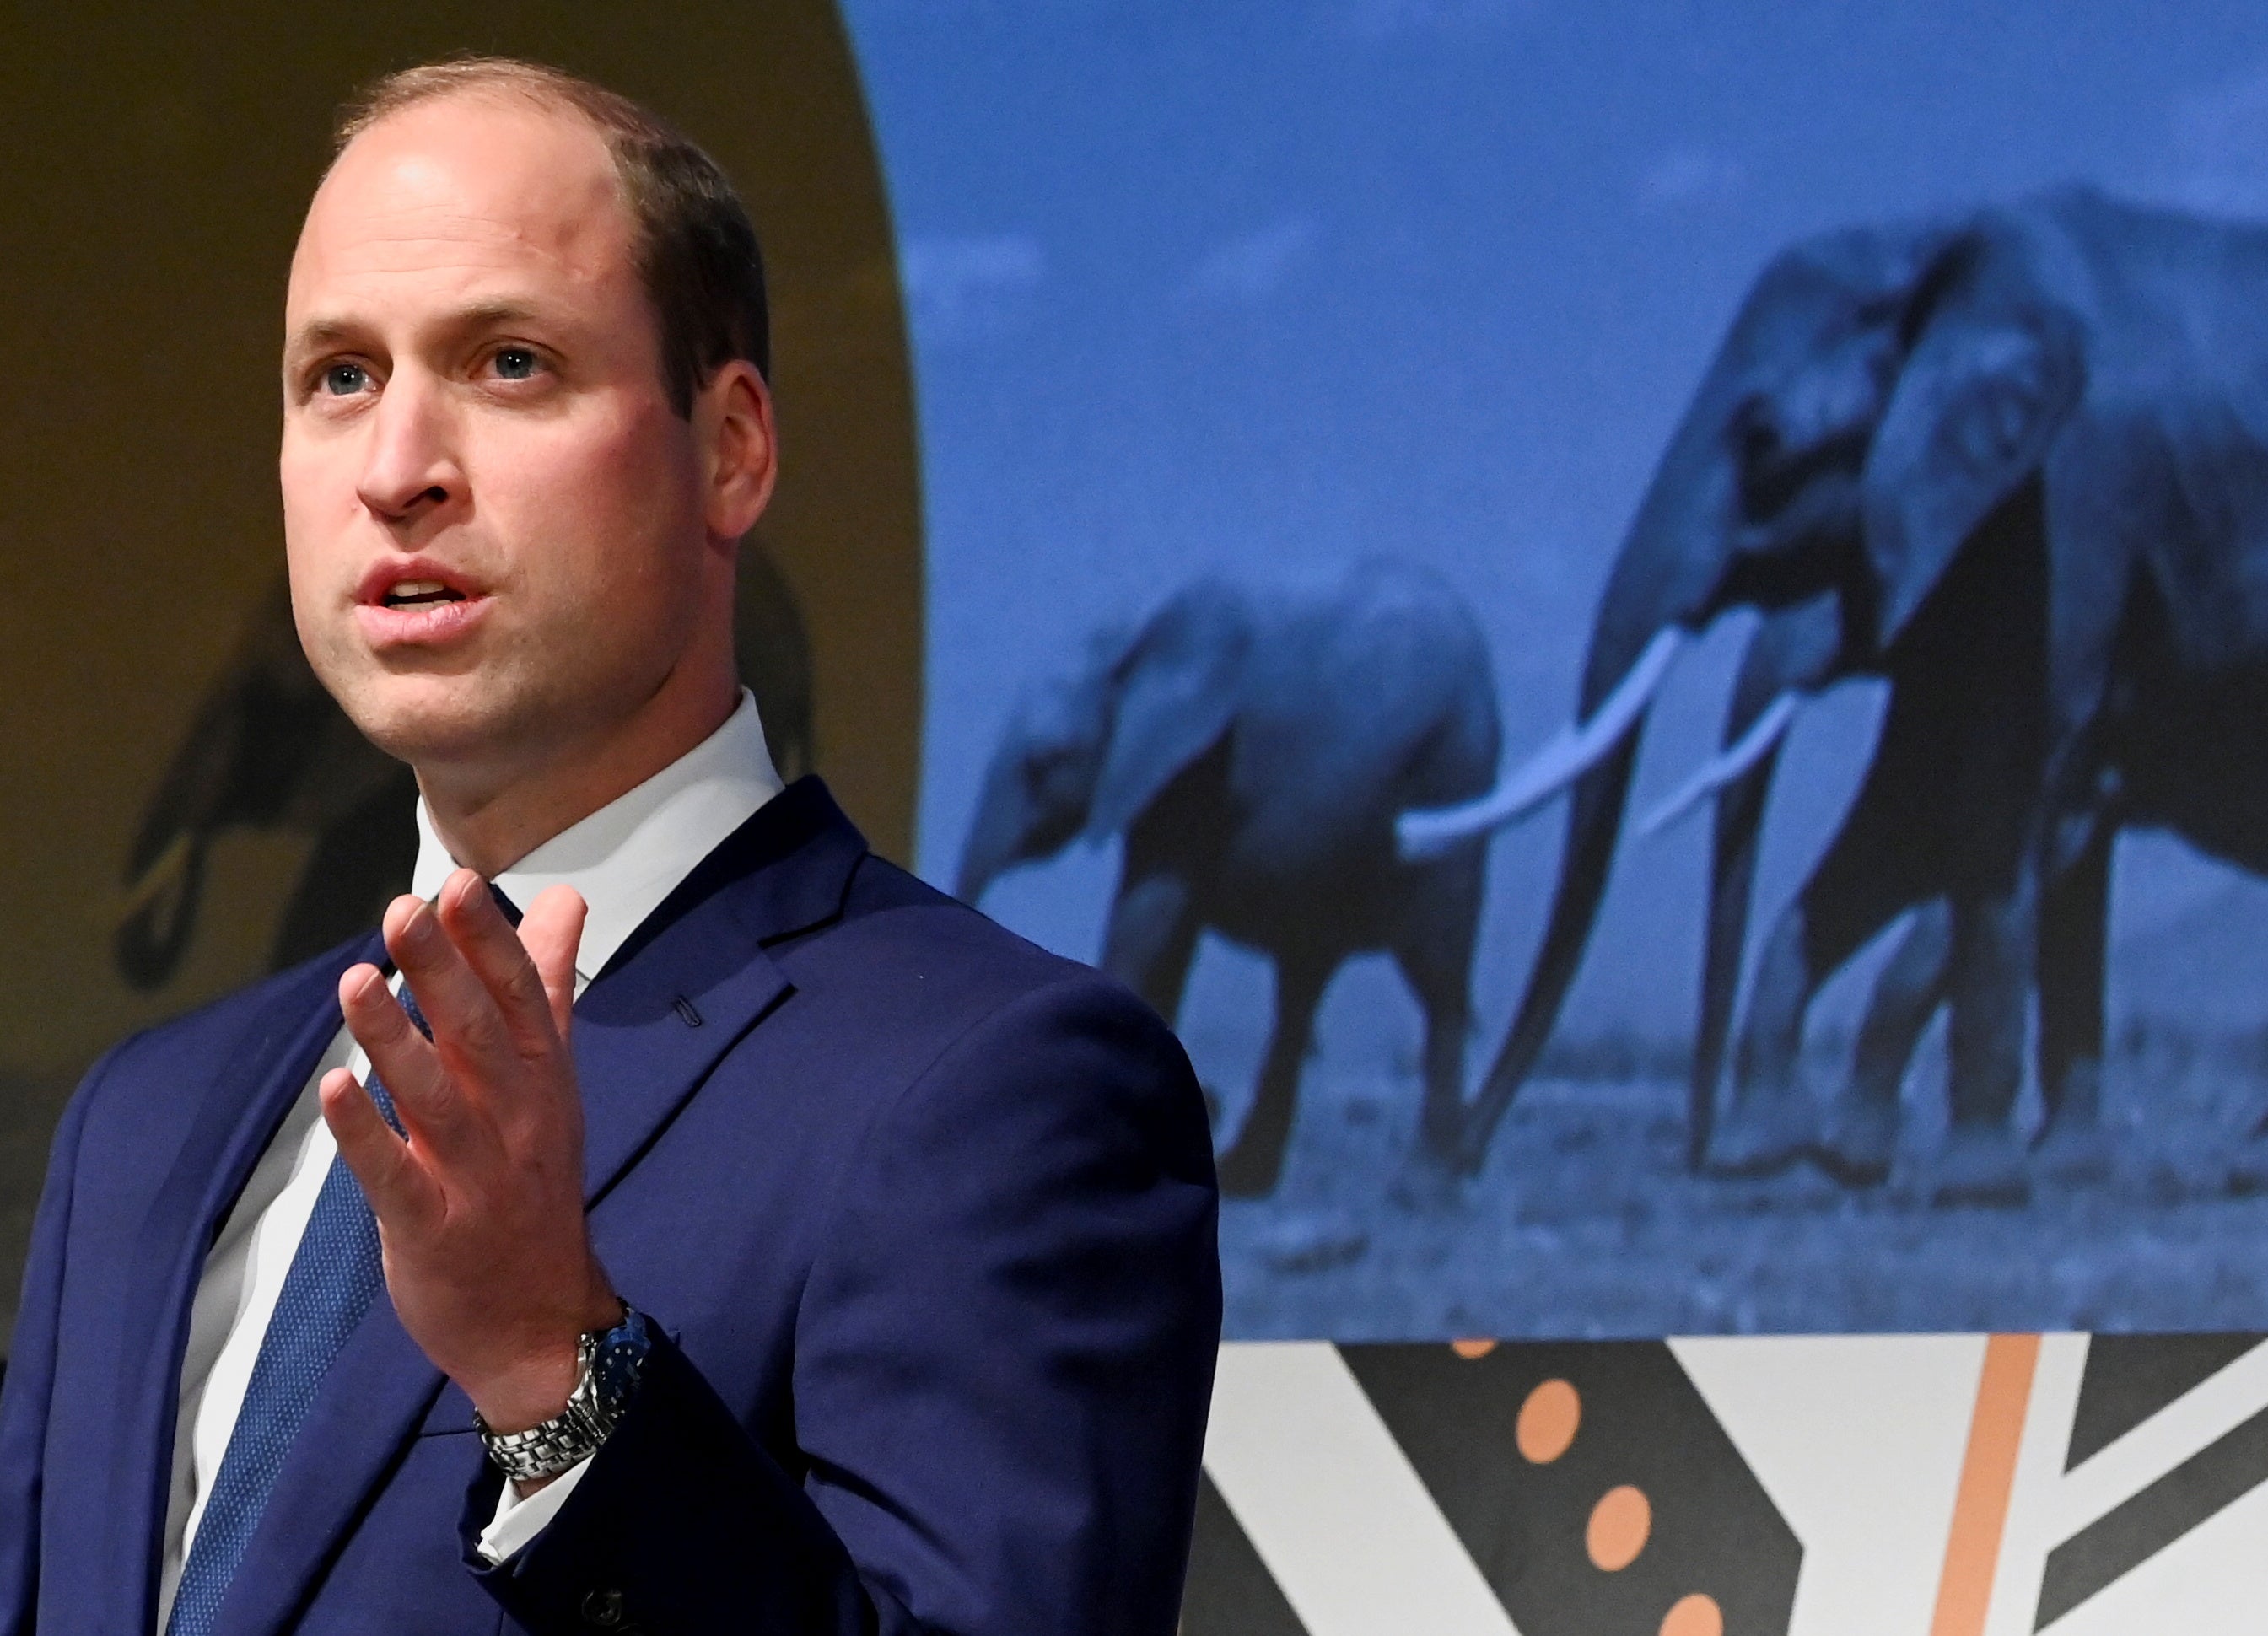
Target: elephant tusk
[[1727, 765], [162, 874], [1570, 753]]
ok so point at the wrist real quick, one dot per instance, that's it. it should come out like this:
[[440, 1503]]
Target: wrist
[[533, 1385], [609, 1363], [529, 1392]]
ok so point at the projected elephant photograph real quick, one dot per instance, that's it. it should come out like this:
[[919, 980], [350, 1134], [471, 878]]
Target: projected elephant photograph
[[2016, 466], [1761, 829], [1253, 750]]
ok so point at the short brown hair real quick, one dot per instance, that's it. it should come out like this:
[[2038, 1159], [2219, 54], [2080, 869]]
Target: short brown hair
[[703, 268]]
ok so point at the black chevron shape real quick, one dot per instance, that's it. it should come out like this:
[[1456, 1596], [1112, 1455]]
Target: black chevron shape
[[1712, 1533], [2131, 1377], [2121, 1540], [1230, 1591]]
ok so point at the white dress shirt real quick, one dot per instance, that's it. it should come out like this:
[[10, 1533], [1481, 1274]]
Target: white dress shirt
[[624, 859]]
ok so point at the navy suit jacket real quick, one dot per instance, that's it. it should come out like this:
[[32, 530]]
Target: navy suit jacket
[[925, 1215]]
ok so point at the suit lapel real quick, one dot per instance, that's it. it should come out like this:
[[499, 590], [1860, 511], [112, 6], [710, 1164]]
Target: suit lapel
[[696, 978], [690, 984], [235, 1120]]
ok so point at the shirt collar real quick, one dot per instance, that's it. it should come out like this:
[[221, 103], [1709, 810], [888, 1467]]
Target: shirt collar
[[631, 853]]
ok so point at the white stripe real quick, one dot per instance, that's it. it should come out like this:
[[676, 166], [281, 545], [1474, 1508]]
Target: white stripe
[[1858, 1440], [1331, 1503], [2215, 1406]]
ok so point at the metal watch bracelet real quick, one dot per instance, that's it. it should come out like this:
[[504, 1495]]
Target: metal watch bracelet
[[609, 1365]]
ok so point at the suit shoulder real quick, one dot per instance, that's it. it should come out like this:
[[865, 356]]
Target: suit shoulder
[[218, 1026], [906, 911], [933, 967]]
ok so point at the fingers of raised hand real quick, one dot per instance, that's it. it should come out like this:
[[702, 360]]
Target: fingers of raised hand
[[398, 1188], [474, 1038], [431, 1107], [495, 958], [552, 932]]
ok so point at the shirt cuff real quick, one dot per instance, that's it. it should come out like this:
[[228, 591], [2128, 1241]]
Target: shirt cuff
[[518, 1522]]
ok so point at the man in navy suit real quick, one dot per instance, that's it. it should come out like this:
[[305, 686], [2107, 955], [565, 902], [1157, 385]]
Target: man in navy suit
[[753, 1240]]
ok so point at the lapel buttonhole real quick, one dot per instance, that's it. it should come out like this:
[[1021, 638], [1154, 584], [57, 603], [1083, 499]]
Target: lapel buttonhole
[[684, 1009]]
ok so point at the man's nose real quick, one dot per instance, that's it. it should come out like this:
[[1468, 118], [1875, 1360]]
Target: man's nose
[[412, 470]]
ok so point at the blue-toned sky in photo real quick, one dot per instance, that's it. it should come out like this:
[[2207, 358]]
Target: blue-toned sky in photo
[[1270, 288]]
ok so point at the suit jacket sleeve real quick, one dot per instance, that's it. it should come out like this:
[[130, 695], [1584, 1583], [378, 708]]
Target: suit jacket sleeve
[[1003, 1361], [30, 1365]]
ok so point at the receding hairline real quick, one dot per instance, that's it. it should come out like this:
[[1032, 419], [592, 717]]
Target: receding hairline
[[502, 81], [697, 253], [502, 99]]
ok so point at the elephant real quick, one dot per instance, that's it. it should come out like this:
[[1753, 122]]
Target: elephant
[[2021, 453], [1253, 748], [267, 749], [1874, 861]]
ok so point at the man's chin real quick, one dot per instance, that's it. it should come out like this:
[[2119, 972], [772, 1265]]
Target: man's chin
[[432, 722]]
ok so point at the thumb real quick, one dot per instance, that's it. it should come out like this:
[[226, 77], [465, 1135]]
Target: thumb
[[551, 930]]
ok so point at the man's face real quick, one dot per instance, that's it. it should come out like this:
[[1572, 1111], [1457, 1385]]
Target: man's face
[[494, 518]]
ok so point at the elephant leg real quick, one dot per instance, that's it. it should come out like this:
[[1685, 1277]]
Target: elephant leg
[[1995, 940], [2074, 921], [1865, 882], [1152, 939], [1151, 943], [1862, 1127], [1436, 958], [1740, 823], [1254, 1162]]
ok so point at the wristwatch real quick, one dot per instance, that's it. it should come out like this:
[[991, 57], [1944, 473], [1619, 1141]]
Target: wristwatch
[[612, 1362]]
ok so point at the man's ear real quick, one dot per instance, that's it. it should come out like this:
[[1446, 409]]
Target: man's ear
[[739, 446]]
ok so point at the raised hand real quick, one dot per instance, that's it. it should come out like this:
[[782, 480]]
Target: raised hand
[[480, 1209]]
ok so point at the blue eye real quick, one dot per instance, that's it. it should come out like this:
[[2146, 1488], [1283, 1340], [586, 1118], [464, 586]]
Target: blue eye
[[343, 380], [516, 364]]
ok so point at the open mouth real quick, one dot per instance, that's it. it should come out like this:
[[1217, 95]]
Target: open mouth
[[418, 593]]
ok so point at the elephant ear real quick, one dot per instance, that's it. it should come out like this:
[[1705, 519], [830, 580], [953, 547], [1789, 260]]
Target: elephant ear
[[1176, 687], [1979, 400]]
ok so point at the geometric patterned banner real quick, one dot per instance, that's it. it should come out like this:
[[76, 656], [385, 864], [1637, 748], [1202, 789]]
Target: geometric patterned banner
[[1940, 1486]]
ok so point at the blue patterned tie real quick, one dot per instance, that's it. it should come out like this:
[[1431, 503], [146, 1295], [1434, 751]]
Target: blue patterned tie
[[334, 1275]]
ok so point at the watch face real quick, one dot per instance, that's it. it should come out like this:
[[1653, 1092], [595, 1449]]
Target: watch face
[[618, 1359]]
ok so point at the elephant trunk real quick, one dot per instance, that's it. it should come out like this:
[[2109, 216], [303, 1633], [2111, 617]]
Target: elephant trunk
[[1797, 652], [1594, 827], [160, 913], [165, 867], [1638, 632], [242, 762], [1732, 879]]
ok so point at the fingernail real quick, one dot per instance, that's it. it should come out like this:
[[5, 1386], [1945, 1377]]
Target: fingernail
[[417, 931]]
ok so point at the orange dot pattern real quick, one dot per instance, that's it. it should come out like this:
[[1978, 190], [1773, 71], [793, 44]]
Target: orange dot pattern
[[1547, 1421], [1622, 1522], [1619, 1526], [1696, 1615]]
